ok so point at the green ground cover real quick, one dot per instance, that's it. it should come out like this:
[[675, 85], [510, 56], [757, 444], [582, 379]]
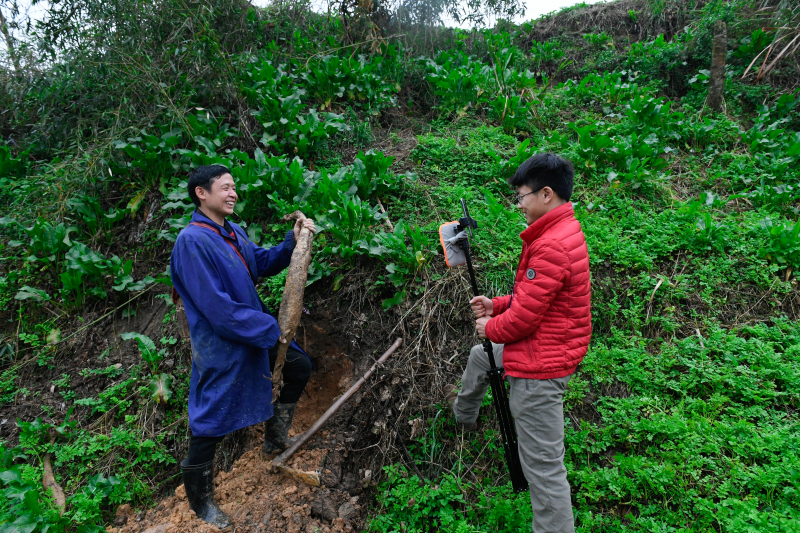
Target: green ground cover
[[683, 415]]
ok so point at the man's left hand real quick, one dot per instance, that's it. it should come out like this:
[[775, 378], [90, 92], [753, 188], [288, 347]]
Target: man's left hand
[[300, 224], [480, 326]]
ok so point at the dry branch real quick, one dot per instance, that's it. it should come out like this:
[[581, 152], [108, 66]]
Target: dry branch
[[49, 479]]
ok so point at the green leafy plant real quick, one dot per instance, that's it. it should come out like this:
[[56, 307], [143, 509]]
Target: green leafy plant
[[32, 293], [12, 167], [416, 505], [159, 383], [599, 40], [371, 173], [545, 53], [348, 220], [290, 131], [592, 149], [608, 88], [358, 80], [207, 131], [123, 281], [510, 112], [24, 507], [780, 242], [462, 83], [700, 80], [635, 174], [94, 217], [459, 81], [507, 167], [48, 242], [153, 159], [85, 274], [151, 355], [261, 79], [751, 45], [650, 113], [321, 189]]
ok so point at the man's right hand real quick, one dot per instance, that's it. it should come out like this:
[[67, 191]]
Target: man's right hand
[[481, 306]]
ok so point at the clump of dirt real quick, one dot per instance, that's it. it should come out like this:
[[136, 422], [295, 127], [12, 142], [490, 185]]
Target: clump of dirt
[[257, 500]]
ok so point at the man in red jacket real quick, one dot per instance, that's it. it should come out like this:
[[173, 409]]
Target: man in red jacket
[[540, 334]]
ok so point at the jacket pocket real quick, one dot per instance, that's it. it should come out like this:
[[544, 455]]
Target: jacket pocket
[[531, 342]]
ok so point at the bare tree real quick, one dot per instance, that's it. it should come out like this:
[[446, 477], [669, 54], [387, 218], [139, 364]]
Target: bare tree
[[4, 28], [716, 83]]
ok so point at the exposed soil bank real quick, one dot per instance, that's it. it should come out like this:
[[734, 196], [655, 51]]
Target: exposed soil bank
[[258, 499]]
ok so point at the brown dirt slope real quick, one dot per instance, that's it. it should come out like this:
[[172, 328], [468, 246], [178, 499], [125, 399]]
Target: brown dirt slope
[[254, 496], [257, 500]]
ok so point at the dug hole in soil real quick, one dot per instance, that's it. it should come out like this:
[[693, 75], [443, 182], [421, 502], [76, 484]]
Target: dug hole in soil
[[260, 500]]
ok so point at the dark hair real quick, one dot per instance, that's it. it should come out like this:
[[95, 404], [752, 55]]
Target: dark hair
[[545, 170], [204, 177]]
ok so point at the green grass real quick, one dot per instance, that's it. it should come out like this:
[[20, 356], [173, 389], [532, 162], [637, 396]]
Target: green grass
[[683, 415]]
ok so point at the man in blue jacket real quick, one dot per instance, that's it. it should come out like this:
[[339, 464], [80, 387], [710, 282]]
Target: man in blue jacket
[[214, 269]]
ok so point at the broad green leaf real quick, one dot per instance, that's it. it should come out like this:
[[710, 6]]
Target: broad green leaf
[[30, 293], [394, 300], [145, 342]]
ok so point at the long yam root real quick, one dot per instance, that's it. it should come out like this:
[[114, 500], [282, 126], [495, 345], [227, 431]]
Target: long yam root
[[292, 303]]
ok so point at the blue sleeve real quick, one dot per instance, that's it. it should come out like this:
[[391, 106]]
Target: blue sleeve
[[275, 259], [231, 320]]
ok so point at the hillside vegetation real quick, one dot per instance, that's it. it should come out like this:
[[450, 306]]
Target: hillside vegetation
[[683, 415]]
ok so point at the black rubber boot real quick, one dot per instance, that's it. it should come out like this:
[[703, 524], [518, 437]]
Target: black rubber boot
[[276, 429], [199, 484]]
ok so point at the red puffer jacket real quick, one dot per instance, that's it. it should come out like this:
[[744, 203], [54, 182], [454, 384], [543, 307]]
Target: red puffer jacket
[[546, 323]]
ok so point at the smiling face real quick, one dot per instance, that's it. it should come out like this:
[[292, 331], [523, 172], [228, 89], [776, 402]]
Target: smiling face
[[219, 202], [536, 204]]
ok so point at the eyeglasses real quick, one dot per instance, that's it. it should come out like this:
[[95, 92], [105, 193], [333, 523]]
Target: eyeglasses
[[518, 197]]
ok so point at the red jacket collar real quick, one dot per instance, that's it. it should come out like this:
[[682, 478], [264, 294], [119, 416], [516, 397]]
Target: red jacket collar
[[550, 219]]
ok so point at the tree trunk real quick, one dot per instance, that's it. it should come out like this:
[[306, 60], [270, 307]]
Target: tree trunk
[[9, 43], [716, 83]]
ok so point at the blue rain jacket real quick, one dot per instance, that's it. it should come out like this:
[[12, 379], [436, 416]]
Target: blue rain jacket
[[231, 329]]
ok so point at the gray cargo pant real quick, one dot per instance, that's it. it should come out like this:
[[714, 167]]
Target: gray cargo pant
[[538, 409]]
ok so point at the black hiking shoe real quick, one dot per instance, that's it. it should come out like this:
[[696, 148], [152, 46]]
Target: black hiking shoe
[[198, 480], [276, 429]]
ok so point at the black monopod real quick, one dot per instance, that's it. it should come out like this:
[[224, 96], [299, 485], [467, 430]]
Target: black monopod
[[454, 237]]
